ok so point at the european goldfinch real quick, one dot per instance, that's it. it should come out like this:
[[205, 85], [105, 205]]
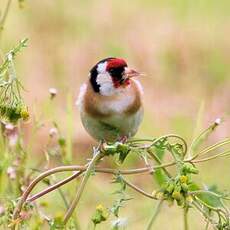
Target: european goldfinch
[[110, 103]]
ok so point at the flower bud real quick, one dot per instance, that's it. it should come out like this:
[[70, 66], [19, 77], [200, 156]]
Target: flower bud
[[11, 172], [183, 179], [53, 132], [101, 214]]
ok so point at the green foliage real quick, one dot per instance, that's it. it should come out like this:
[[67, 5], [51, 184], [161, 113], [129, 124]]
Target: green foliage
[[117, 148], [12, 106]]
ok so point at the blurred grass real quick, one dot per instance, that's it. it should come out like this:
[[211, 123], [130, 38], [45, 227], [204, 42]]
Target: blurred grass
[[182, 46]]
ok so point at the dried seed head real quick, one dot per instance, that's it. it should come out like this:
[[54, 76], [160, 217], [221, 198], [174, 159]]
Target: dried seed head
[[2, 210], [11, 172], [218, 121], [53, 132], [11, 133], [53, 92]]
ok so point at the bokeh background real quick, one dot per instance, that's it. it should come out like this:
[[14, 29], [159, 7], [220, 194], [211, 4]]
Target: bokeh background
[[182, 46]]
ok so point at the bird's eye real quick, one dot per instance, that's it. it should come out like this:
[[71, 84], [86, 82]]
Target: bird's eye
[[111, 70]]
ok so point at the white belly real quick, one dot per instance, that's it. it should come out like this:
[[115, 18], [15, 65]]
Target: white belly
[[113, 127]]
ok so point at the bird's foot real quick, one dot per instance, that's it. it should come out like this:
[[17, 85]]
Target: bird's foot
[[123, 139]]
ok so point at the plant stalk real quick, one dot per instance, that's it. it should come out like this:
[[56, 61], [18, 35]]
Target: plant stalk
[[98, 155], [155, 213], [185, 218]]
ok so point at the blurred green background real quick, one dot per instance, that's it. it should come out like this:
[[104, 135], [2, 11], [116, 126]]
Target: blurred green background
[[182, 46]]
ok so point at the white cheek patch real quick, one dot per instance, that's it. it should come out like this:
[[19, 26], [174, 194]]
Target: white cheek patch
[[105, 84], [104, 80]]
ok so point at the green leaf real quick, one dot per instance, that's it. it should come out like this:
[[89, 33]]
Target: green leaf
[[210, 199], [159, 175]]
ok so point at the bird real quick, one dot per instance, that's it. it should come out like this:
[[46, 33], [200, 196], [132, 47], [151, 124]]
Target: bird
[[110, 102]]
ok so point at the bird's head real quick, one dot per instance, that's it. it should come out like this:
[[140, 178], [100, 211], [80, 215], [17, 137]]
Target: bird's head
[[110, 75]]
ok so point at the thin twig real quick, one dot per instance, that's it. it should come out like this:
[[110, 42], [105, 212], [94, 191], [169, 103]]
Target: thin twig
[[49, 172], [98, 155], [204, 214], [156, 158], [131, 185], [155, 213], [202, 134], [3, 19], [223, 154], [170, 136], [208, 192], [211, 148], [53, 187]]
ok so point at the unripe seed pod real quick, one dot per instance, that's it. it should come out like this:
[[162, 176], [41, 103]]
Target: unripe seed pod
[[176, 195], [170, 188], [184, 187], [180, 202], [177, 188], [188, 168]]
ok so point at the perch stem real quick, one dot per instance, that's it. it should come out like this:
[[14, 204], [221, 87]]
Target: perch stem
[[49, 172]]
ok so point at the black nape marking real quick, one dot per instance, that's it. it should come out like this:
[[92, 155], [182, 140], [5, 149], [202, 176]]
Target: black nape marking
[[93, 79], [94, 73]]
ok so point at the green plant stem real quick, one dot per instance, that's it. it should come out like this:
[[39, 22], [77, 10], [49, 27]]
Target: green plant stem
[[223, 154], [155, 213], [204, 214], [211, 148], [3, 19], [170, 136], [185, 210], [156, 158], [195, 143], [98, 155], [206, 226], [208, 192]]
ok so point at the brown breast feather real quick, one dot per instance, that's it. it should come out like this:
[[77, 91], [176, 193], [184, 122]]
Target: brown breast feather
[[93, 100]]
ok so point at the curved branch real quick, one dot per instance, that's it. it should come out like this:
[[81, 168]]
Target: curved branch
[[131, 185], [49, 172], [53, 187]]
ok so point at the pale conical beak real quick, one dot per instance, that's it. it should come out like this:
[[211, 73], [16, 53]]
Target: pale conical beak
[[129, 73]]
